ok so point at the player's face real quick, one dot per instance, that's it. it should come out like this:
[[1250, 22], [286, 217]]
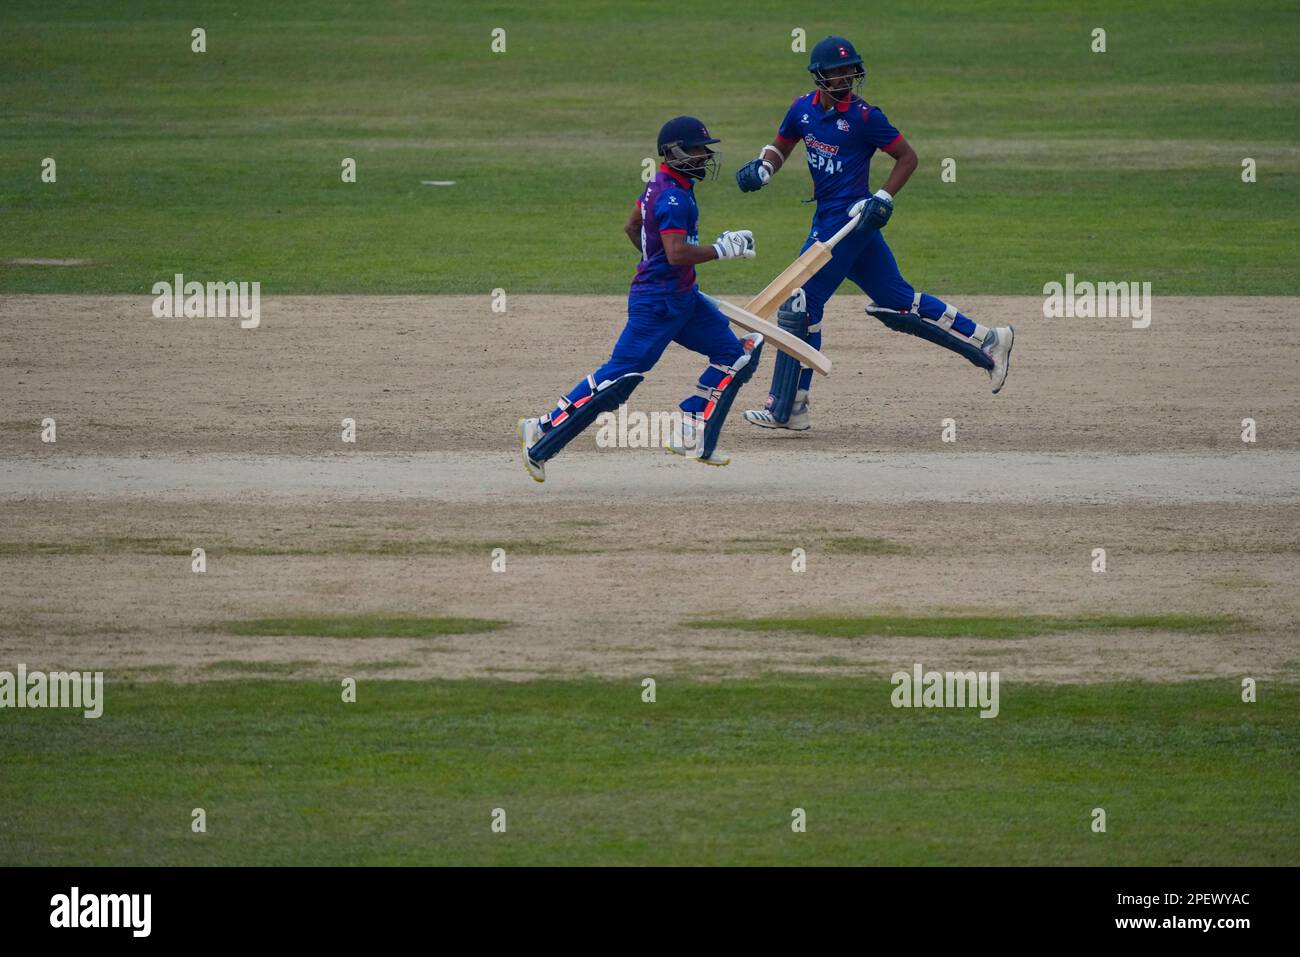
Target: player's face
[[839, 80], [698, 164]]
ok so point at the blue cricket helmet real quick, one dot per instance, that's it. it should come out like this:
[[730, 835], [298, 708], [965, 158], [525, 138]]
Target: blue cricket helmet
[[831, 53], [685, 131], [680, 134]]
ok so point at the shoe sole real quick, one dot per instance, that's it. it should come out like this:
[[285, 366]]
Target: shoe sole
[[717, 463], [776, 425], [523, 448], [1007, 371]]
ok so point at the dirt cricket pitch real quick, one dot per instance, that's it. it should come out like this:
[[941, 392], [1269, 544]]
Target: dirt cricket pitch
[[176, 434]]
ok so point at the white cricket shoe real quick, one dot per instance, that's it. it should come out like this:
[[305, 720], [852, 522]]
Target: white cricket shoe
[[800, 419], [687, 439], [530, 430], [999, 350]]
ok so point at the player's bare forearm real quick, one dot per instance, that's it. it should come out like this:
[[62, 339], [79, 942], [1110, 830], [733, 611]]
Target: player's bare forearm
[[777, 152], [759, 171], [905, 163], [682, 253], [633, 228]]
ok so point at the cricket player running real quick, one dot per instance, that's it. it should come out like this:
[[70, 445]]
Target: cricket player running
[[664, 305], [840, 132]]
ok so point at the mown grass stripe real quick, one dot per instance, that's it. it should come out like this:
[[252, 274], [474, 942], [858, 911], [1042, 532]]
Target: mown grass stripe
[[591, 774]]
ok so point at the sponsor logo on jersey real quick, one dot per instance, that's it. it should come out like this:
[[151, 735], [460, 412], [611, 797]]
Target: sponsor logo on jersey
[[811, 142]]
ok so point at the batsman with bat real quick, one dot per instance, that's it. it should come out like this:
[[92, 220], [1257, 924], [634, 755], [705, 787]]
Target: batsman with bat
[[840, 132], [664, 305]]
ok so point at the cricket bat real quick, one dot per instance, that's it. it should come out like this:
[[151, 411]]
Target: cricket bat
[[765, 304], [787, 342]]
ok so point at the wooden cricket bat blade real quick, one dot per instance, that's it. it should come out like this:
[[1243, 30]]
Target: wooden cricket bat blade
[[765, 304], [809, 263], [787, 342]]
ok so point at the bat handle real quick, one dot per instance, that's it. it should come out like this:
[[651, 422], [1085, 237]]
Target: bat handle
[[847, 228]]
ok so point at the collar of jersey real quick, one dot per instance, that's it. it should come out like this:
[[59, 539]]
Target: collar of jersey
[[841, 106], [682, 181]]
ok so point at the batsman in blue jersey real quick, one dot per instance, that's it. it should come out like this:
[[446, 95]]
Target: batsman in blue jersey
[[841, 132], [664, 305]]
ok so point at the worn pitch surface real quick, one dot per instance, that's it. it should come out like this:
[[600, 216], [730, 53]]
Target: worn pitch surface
[[194, 433]]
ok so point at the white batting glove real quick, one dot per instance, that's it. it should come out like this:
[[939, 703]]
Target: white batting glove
[[735, 244], [861, 204], [874, 211]]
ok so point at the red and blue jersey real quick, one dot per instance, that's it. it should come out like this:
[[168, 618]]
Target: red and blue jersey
[[666, 206], [839, 144]]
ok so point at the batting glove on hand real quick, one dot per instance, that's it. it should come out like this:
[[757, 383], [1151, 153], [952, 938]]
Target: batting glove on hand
[[735, 244], [754, 175], [875, 211]]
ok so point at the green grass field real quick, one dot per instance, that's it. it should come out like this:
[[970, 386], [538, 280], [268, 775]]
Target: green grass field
[[708, 774], [225, 165]]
